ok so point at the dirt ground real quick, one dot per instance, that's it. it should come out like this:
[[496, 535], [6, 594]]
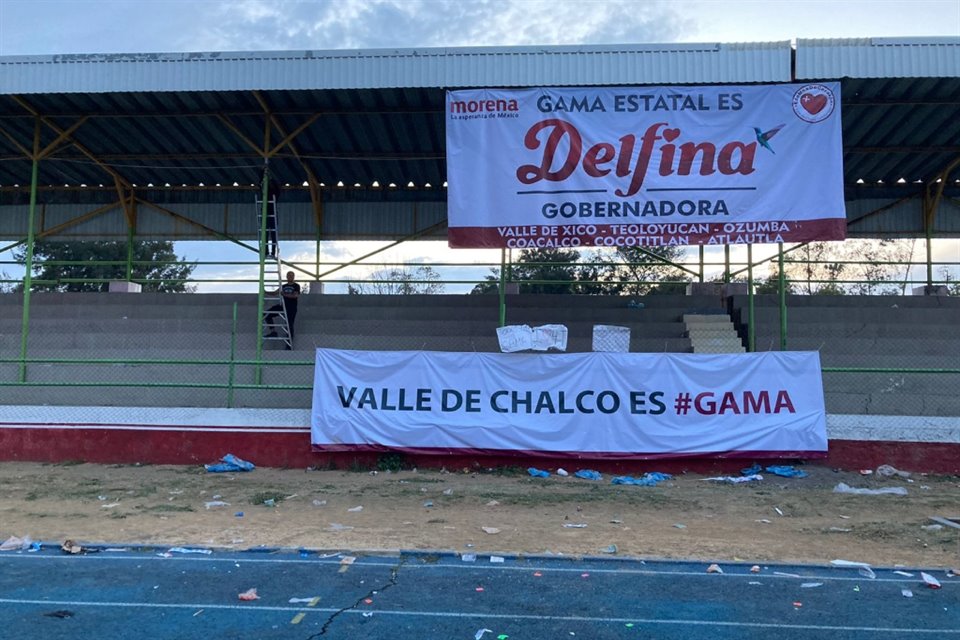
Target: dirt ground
[[682, 518]]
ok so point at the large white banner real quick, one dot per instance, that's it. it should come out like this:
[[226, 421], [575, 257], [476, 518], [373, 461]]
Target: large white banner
[[644, 166], [626, 405]]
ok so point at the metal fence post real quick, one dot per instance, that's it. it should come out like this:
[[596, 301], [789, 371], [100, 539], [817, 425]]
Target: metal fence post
[[751, 327], [783, 299], [701, 263], [233, 357], [503, 287], [28, 262]]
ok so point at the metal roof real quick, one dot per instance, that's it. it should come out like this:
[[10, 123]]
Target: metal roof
[[388, 68], [878, 58], [368, 129]]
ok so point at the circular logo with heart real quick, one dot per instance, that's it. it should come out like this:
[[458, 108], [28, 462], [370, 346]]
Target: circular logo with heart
[[813, 103]]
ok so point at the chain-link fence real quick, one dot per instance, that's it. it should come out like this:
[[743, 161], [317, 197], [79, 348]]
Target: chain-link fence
[[891, 355]]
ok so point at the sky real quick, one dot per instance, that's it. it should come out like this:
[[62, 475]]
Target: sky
[[42, 27]]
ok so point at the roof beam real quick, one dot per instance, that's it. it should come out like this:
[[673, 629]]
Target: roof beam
[[27, 153], [65, 136]]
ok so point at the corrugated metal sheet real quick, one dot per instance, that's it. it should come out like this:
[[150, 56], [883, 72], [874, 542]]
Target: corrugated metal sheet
[[878, 58], [899, 218], [459, 67]]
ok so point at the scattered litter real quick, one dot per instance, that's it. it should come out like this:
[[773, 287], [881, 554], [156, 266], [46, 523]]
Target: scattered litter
[[60, 613], [205, 552], [735, 479], [783, 574], [209, 505], [714, 568], [493, 503], [448, 492], [368, 600], [238, 514], [887, 471], [810, 585], [845, 488], [947, 522], [839, 530], [787, 471], [932, 527], [336, 526], [249, 594], [848, 563], [270, 502], [609, 549], [752, 470], [755, 569], [537, 574], [754, 582], [651, 479], [679, 526], [110, 506], [578, 525], [779, 512], [563, 473], [588, 474], [866, 472], [845, 517], [428, 504], [616, 521], [348, 559], [356, 509], [102, 498], [468, 557], [584, 575], [230, 463], [480, 632], [904, 574], [798, 604], [496, 559], [906, 593], [763, 521], [929, 580], [479, 589], [491, 530], [319, 503], [953, 572], [13, 543], [368, 614], [538, 473]]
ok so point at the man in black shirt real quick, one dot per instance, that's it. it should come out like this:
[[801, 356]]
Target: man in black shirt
[[290, 292]]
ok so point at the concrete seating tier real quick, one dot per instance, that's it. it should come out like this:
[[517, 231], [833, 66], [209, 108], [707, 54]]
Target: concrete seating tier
[[177, 327], [910, 332]]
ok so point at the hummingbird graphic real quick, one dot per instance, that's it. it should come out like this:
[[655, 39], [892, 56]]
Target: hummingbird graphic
[[763, 137]]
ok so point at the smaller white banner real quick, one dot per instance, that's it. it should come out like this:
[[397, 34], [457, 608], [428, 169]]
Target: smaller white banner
[[627, 405]]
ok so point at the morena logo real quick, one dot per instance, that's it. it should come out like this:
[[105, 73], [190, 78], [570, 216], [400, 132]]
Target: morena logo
[[483, 106]]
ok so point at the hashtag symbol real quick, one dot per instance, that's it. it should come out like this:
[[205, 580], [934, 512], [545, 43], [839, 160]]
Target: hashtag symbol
[[682, 404]]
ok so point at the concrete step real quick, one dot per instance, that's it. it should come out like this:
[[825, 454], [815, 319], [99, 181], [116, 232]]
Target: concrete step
[[708, 331], [719, 318]]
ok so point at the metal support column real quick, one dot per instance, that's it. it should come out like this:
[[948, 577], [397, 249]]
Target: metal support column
[[28, 261], [929, 258], [751, 328], [701, 263], [782, 294], [726, 264]]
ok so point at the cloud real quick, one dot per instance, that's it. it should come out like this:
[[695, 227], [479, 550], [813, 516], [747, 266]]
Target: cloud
[[359, 24]]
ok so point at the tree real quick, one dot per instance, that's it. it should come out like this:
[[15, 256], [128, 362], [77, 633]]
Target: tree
[[635, 272], [544, 271], [165, 274], [421, 279]]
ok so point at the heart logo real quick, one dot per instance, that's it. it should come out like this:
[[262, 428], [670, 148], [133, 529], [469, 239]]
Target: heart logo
[[813, 104], [670, 134]]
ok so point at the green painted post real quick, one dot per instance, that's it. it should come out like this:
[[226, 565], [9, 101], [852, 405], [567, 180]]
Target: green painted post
[[129, 253], [726, 263], [260, 290], [503, 287], [751, 328], [783, 299], [233, 356], [28, 264], [929, 258]]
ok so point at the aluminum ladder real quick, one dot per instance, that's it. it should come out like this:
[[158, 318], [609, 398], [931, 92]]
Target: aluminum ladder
[[278, 327]]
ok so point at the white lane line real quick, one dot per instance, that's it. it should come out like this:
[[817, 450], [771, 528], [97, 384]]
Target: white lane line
[[485, 567], [483, 615]]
